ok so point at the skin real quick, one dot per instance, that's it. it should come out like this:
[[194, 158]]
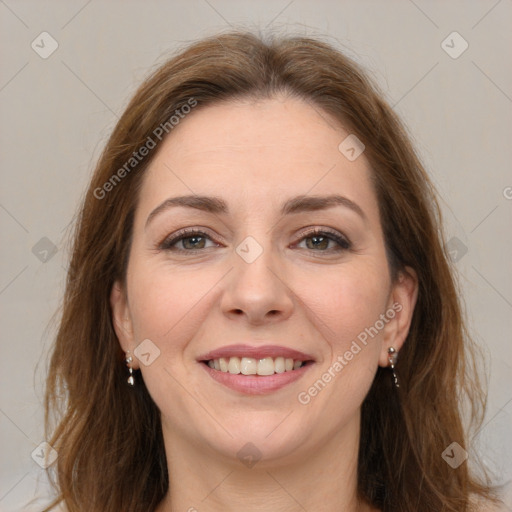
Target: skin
[[255, 155]]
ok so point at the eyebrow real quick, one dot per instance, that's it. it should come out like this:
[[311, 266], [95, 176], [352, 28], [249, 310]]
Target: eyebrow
[[298, 204]]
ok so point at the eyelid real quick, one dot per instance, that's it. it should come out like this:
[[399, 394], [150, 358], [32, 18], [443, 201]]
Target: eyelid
[[341, 239], [336, 235], [321, 229], [179, 235]]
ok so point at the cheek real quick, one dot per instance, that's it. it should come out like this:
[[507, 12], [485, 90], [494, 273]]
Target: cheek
[[345, 302], [347, 306], [163, 303]]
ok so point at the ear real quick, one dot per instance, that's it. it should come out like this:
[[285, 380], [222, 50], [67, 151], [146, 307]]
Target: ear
[[121, 319], [402, 301]]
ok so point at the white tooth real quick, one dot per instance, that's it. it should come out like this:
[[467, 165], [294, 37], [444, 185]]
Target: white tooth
[[252, 366], [266, 366], [248, 366], [234, 365], [223, 363], [279, 364]]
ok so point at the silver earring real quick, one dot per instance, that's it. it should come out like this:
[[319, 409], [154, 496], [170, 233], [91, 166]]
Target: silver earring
[[128, 361], [392, 357]]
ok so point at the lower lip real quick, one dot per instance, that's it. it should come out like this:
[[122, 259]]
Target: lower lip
[[256, 384]]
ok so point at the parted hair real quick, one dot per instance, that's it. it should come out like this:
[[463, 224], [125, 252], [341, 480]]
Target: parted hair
[[108, 437]]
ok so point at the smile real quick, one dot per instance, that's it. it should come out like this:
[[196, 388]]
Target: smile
[[252, 366], [255, 370]]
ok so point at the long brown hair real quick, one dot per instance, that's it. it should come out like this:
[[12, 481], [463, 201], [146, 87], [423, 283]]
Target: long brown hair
[[109, 438]]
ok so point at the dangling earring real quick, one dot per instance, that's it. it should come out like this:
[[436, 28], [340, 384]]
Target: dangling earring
[[392, 356], [128, 361]]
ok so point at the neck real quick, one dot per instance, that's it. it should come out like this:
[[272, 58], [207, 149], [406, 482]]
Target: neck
[[321, 478]]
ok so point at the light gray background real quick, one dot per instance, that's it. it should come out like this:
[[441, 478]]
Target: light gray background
[[56, 114]]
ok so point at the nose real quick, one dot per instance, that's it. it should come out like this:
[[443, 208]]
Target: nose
[[257, 292]]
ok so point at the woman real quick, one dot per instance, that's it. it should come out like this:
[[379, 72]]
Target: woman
[[259, 311]]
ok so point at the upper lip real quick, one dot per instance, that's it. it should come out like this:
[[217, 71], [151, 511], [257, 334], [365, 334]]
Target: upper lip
[[258, 352]]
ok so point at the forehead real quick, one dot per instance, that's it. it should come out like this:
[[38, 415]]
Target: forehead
[[256, 152]]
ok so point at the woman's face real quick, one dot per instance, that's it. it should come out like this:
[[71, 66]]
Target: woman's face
[[257, 283]]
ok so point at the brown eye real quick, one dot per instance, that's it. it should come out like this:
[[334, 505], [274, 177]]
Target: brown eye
[[325, 241], [189, 240]]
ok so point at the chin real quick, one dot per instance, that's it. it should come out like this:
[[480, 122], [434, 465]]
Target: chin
[[264, 437]]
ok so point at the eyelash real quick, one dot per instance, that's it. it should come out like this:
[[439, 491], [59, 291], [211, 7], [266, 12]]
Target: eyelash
[[343, 243]]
